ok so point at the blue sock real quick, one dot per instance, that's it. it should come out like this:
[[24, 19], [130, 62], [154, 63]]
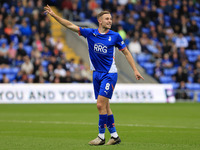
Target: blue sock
[[102, 123], [111, 124]]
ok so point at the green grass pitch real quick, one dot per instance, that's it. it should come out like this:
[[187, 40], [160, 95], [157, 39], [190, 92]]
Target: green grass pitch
[[71, 126]]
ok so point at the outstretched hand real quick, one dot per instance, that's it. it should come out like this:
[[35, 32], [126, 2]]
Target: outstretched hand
[[138, 75], [48, 10]]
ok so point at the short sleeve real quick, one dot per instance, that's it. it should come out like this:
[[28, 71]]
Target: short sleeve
[[84, 31], [120, 43]]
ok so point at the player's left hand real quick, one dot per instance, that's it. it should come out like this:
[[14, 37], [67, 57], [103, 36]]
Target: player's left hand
[[138, 76]]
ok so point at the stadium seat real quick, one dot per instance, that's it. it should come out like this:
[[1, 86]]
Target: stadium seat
[[1, 76], [192, 59], [149, 65], [192, 55], [146, 30], [45, 63], [166, 79], [190, 79], [11, 77], [175, 85], [170, 72], [6, 71], [197, 39], [150, 71], [28, 49], [15, 70], [143, 57], [193, 86], [167, 18], [188, 38]]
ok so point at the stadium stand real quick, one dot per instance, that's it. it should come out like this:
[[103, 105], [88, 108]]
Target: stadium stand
[[166, 33], [32, 47]]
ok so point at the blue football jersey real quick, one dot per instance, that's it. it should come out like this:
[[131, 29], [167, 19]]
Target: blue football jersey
[[102, 49]]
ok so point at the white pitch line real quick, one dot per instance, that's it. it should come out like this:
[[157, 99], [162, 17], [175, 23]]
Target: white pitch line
[[86, 123]]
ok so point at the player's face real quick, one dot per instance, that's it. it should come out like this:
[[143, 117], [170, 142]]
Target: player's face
[[106, 21]]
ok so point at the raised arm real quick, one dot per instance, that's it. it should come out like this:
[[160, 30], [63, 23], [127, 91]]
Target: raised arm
[[132, 63], [62, 21]]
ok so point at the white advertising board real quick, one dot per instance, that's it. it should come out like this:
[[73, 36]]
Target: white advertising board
[[83, 93]]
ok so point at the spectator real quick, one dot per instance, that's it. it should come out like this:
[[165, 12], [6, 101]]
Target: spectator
[[77, 76], [29, 7], [167, 47], [184, 27], [25, 29], [59, 44], [60, 71], [166, 62], [4, 50], [197, 72], [106, 5], [30, 79], [175, 60], [182, 55], [35, 19], [37, 43], [12, 52], [169, 7], [50, 73], [36, 65], [68, 78], [71, 65], [158, 71], [144, 19], [129, 25], [27, 66], [122, 2], [46, 53], [192, 43], [153, 15], [86, 75], [135, 47], [43, 28], [4, 63], [181, 94], [193, 28], [40, 73], [4, 79], [20, 51], [180, 75], [181, 41]]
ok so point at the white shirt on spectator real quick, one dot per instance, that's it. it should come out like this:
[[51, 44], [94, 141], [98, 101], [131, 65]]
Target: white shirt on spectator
[[181, 42], [134, 47], [27, 67], [60, 72], [122, 2]]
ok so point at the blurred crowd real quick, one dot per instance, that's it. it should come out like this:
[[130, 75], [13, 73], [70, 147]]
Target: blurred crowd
[[162, 35], [165, 29], [28, 52]]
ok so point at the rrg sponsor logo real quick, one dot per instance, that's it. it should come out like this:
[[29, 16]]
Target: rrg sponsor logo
[[100, 48]]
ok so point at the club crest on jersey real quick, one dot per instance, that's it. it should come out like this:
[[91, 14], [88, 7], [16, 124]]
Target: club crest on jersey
[[109, 38], [100, 48]]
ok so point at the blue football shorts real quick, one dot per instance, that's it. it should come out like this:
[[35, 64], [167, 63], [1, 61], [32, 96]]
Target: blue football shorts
[[104, 83]]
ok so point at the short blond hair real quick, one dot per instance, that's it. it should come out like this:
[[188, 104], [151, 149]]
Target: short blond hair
[[102, 13]]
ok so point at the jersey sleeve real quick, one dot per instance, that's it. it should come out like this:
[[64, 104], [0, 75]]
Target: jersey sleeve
[[120, 43], [84, 31]]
